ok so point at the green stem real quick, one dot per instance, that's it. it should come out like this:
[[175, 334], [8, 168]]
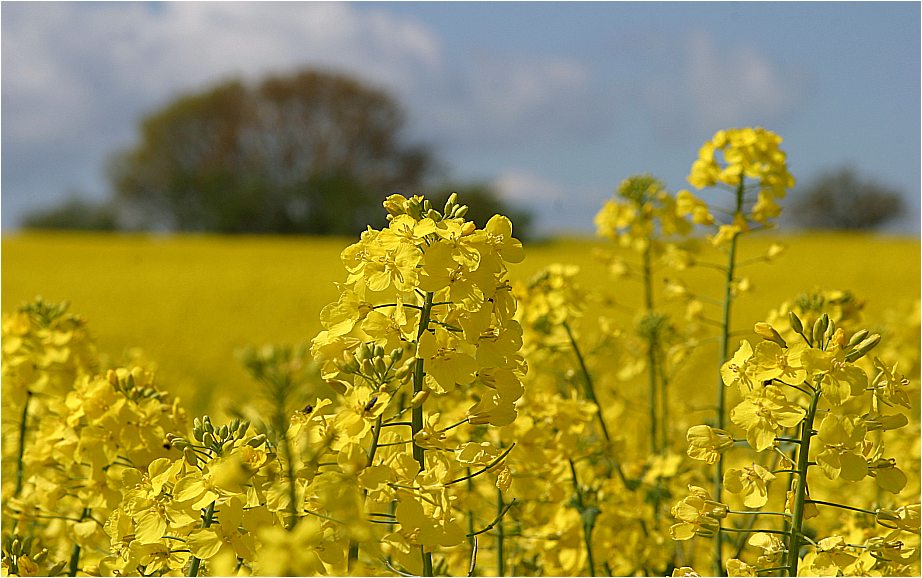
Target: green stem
[[471, 536], [73, 566], [206, 523], [419, 453], [587, 529], [800, 494], [723, 350], [752, 530], [651, 348], [589, 392], [500, 535], [589, 386], [20, 467], [842, 506], [664, 409], [375, 435]]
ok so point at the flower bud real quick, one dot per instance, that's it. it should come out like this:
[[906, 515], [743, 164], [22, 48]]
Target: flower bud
[[242, 428], [419, 398], [396, 354], [796, 324], [208, 439], [460, 211], [769, 333], [863, 348], [257, 441], [450, 203], [858, 337], [887, 518], [222, 432], [819, 328], [190, 456]]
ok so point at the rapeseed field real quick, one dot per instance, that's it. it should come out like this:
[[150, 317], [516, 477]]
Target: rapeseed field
[[190, 303]]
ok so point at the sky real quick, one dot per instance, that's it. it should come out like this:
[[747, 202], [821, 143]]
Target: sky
[[552, 103]]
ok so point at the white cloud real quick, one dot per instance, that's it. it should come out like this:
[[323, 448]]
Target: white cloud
[[521, 186], [730, 85], [496, 100], [77, 77], [706, 86]]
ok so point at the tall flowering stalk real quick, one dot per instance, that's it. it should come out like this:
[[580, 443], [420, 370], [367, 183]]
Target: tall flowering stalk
[[751, 164], [643, 217], [808, 393], [431, 289]]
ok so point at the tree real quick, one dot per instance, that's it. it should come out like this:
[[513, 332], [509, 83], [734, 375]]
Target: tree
[[313, 152], [842, 199], [75, 213]]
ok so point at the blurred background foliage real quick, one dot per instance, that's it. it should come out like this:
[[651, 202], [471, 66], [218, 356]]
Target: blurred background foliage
[[313, 152]]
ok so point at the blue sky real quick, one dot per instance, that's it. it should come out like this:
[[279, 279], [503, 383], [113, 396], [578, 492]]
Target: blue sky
[[553, 103]]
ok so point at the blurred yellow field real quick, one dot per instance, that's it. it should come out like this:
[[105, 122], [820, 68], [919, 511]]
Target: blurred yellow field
[[191, 302]]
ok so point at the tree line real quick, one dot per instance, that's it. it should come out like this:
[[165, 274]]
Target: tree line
[[316, 152], [313, 152]]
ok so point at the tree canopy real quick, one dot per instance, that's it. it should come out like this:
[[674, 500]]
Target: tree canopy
[[313, 152], [843, 199]]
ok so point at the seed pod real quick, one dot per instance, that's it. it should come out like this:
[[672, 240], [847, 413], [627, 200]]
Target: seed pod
[[796, 324]]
